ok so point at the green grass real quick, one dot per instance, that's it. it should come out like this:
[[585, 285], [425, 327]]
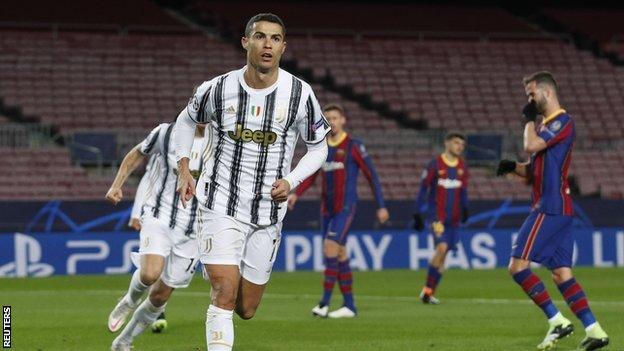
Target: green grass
[[480, 310]]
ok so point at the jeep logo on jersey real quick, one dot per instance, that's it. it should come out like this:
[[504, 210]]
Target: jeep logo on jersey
[[257, 136]]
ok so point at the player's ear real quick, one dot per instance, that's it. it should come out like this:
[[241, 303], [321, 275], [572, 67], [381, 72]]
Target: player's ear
[[283, 48], [244, 42]]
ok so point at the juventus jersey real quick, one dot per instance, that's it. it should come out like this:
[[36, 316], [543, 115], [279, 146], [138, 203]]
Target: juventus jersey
[[160, 196], [254, 137]]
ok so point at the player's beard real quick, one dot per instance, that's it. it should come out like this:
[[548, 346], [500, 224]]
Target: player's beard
[[541, 105]]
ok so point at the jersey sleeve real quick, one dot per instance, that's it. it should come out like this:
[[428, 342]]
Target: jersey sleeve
[[306, 184], [313, 126], [427, 179], [152, 144], [558, 130], [200, 106], [464, 189], [364, 162], [139, 197]]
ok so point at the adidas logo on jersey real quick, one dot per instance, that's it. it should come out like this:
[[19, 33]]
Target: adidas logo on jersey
[[257, 136]]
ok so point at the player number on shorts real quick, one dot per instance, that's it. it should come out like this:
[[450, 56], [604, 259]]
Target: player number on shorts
[[190, 265], [274, 248]]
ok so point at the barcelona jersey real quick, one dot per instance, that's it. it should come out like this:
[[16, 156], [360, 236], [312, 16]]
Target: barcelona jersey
[[339, 175], [443, 191], [549, 167]]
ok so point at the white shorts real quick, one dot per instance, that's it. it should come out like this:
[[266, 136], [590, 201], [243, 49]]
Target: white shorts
[[158, 238], [180, 251], [224, 240]]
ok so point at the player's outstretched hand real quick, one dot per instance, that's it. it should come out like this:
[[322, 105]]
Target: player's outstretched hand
[[186, 182], [135, 224], [530, 111], [280, 191], [505, 166], [419, 224], [383, 215], [114, 195], [465, 215], [292, 200]]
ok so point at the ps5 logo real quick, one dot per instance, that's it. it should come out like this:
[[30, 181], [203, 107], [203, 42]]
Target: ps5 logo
[[27, 259]]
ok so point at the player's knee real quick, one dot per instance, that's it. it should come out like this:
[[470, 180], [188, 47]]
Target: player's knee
[[149, 277], [560, 276], [161, 295], [331, 248], [246, 312], [223, 292], [515, 267]]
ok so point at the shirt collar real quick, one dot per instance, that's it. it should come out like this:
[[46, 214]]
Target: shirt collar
[[553, 115]]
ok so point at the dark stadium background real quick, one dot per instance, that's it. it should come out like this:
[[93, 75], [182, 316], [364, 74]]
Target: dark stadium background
[[82, 82]]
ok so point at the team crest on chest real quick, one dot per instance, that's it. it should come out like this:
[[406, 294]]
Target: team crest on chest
[[441, 172], [280, 113], [340, 152], [460, 172], [255, 110]]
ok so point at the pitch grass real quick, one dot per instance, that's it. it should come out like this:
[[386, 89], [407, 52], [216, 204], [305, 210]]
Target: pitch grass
[[480, 310]]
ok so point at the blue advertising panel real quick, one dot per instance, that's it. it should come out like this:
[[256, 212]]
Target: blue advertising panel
[[44, 254]]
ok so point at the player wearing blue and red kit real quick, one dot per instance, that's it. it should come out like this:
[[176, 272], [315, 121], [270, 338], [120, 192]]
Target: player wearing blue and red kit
[[443, 202], [346, 157], [546, 235]]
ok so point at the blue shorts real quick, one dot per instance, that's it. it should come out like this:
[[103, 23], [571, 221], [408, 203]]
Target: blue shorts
[[450, 236], [545, 239], [335, 227]]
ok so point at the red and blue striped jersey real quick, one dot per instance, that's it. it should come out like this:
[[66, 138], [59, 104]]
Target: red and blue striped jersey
[[549, 167], [339, 176], [443, 191]]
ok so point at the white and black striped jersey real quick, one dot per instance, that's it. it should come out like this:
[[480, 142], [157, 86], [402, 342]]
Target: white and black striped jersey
[[160, 196], [254, 137]]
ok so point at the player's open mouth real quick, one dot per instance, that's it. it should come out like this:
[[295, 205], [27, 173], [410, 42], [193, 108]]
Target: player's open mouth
[[266, 56]]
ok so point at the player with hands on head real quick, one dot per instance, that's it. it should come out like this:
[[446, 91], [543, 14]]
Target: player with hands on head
[[546, 235]]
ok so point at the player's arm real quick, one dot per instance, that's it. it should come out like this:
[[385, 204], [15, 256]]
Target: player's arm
[[427, 178], [521, 169], [314, 128], [130, 162], [139, 200], [197, 111], [301, 189], [364, 162], [307, 166], [463, 197], [532, 142]]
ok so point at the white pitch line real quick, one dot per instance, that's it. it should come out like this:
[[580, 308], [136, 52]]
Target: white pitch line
[[206, 294]]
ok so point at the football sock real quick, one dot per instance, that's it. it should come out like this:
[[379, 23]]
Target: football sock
[[534, 287], [345, 278], [136, 289], [577, 301], [144, 316], [433, 278], [331, 274], [219, 329]]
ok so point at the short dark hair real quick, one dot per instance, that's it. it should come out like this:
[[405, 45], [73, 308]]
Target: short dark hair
[[268, 17], [541, 77], [453, 135], [334, 107]]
